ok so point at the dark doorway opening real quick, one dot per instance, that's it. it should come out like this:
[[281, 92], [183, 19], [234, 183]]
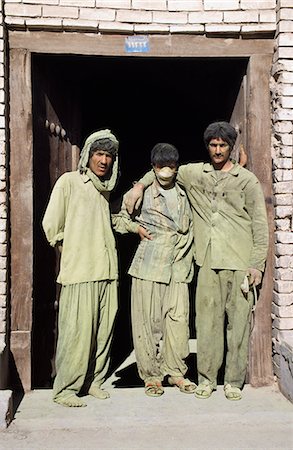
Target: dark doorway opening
[[143, 101]]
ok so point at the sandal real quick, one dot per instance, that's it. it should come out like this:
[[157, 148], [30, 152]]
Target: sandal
[[154, 388], [232, 392], [184, 384], [204, 390]]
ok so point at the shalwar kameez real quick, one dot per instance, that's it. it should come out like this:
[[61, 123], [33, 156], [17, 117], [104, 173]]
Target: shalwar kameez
[[78, 217], [161, 270]]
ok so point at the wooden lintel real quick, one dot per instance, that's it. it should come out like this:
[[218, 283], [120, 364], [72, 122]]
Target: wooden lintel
[[160, 45]]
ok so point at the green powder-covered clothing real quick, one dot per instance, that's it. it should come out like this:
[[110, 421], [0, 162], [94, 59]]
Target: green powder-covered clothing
[[160, 315], [170, 252], [228, 213], [218, 298], [78, 215], [231, 235], [161, 270], [86, 318]]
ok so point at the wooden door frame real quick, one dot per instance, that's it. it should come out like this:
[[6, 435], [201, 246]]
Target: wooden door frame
[[260, 163], [21, 216], [22, 45]]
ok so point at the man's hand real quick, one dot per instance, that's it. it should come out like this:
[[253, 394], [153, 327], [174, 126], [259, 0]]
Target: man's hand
[[133, 197], [242, 156], [254, 276], [144, 234]]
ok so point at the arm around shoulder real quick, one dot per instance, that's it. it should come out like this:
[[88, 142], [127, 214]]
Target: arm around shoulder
[[134, 196]]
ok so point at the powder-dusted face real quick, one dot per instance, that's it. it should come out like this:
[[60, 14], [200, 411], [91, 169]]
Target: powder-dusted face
[[100, 163]]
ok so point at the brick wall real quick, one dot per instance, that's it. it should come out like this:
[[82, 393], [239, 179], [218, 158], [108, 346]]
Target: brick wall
[[282, 101], [236, 17]]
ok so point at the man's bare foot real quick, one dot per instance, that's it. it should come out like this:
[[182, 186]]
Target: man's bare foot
[[99, 393], [72, 401]]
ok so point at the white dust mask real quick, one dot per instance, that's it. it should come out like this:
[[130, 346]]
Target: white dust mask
[[165, 175]]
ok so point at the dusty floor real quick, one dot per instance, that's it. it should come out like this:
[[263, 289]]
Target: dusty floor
[[263, 419]]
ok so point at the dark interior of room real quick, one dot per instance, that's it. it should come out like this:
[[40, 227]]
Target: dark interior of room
[[143, 100]]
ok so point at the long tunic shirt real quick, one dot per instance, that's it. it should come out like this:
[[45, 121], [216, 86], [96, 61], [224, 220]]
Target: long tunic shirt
[[78, 215], [170, 252], [229, 214]]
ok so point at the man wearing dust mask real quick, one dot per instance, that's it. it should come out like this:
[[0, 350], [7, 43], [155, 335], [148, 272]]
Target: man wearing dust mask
[[161, 270]]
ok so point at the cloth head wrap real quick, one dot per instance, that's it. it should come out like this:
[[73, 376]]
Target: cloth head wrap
[[84, 156], [101, 185]]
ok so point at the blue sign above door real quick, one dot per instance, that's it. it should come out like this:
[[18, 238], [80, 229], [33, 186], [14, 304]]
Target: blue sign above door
[[137, 44]]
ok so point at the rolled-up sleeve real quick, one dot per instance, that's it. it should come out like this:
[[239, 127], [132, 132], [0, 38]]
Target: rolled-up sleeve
[[123, 223]]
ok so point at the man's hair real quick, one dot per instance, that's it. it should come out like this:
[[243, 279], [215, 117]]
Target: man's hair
[[105, 145], [163, 154], [222, 130]]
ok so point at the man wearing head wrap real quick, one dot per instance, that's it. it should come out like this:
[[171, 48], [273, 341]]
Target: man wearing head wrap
[[78, 219], [231, 242]]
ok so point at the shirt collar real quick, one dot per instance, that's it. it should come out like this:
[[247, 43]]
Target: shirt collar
[[156, 191], [208, 167], [84, 177]]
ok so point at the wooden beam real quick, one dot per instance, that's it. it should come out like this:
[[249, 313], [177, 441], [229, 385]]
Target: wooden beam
[[260, 163], [160, 45], [21, 212]]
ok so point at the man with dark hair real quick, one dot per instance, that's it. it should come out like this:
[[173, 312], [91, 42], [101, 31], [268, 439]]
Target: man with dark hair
[[231, 242], [223, 130], [77, 219], [161, 270]]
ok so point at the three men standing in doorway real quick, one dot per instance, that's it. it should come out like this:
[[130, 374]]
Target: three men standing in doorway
[[231, 242]]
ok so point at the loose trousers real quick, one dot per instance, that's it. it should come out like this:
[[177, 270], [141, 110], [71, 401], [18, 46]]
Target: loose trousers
[[85, 329], [219, 294], [160, 327]]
